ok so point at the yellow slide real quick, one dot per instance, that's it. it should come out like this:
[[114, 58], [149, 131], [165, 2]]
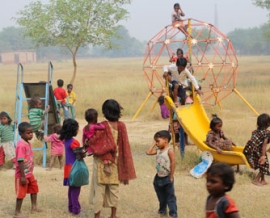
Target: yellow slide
[[196, 124]]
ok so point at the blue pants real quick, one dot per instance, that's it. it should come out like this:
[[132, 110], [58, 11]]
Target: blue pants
[[165, 192], [74, 206], [65, 110]]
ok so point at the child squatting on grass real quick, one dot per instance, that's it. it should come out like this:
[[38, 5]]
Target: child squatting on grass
[[219, 180], [25, 182], [165, 165]]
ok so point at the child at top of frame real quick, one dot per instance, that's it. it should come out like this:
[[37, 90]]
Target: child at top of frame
[[57, 146], [69, 130], [71, 100], [177, 13], [91, 116], [215, 138], [25, 182], [7, 150], [164, 179], [219, 180], [255, 149], [36, 113], [61, 95], [165, 113]]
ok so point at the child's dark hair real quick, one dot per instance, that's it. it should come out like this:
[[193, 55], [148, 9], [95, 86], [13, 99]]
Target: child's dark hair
[[23, 126], [181, 62], [215, 120], [69, 129], [5, 114], [60, 83], [91, 115], [263, 121], [179, 50], [163, 134], [57, 128], [69, 86], [161, 100], [111, 110], [225, 172], [176, 5], [33, 102]]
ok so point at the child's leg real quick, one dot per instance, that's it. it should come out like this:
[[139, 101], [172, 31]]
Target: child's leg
[[60, 159], [18, 207], [161, 195], [51, 162], [2, 157], [113, 212], [256, 181], [34, 207], [263, 182], [74, 204], [171, 199]]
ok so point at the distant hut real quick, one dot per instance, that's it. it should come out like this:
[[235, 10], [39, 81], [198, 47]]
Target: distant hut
[[15, 57]]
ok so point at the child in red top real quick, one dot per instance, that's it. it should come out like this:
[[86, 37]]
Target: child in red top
[[61, 95], [219, 180]]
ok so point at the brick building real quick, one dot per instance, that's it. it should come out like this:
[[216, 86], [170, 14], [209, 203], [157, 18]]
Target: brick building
[[15, 57]]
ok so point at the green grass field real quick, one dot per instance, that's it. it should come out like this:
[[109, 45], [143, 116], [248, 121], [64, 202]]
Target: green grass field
[[123, 80]]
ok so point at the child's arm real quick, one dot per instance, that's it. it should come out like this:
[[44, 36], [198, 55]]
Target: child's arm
[[233, 215], [21, 168], [262, 159], [47, 138], [151, 150], [47, 109], [99, 126], [209, 141], [172, 160]]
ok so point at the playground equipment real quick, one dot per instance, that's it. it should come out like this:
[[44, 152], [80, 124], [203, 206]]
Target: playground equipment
[[42, 89]]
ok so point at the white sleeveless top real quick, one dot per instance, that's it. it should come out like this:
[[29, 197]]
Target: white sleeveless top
[[163, 163]]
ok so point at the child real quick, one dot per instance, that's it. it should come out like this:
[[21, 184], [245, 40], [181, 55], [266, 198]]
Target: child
[[61, 95], [165, 165], [25, 182], [177, 13], [219, 180], [255, 149], [57, 146], [165, 113], [69, 130], [35, 115], [71, 99], [7, 150]]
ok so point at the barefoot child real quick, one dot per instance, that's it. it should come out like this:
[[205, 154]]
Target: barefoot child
[[25, 182], [219, 180], [255, 149], [57, 146], [165, 165], [7, 150]]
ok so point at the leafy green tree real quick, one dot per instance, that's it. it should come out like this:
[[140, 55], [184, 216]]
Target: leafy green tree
[[72, 23], [266, 5]]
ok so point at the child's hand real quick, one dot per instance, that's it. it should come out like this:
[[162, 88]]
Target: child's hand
[[262, 160], [219, 151], [171, 178], [48, 107], [23, 180]]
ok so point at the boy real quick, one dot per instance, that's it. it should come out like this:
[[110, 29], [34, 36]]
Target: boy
[[60, 95], [177, 13], [71, 100], [25, 182], [163, 181]]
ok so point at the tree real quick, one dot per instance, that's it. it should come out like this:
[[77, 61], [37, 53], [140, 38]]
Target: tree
[[264, 4], [72, 23]]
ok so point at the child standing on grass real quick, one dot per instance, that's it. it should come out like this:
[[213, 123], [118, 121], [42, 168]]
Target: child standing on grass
[[68, 132], [71, 100], [57, 146], [255, 149], [25, 182], [61, 95], [36, 114], [164, 180], [219, 180], [7, 150]]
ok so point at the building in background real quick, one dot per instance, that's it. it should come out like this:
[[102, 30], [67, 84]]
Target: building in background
[[15, 57]]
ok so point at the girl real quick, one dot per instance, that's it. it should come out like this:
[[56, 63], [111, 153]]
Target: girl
[[105, 187], [255, 149], [57, 146], [36, 114], [165, 113], [7, 150], [219, 180], [69, 130], [215, 137]]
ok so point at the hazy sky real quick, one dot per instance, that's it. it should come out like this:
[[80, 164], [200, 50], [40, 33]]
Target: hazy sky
[[148, 17]]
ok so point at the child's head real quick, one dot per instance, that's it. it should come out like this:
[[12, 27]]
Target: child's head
[[69, 129], [161, 100], [111, 110], [69, 88], [25, 130], [263, 121], [35, 102], [179, 53], [60, 83], [181, 63], [219, 178], [162, 138], [216, 123], [169, 76], [176, 7], [91, 115], [57, 128], [5, 118]]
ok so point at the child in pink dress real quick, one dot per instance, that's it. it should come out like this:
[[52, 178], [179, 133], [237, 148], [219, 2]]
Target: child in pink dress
[[57, 146]]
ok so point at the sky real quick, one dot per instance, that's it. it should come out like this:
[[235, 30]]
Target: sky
[[148, 17]]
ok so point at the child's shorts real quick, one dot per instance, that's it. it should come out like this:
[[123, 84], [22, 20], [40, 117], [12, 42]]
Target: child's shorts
[[31, 187]]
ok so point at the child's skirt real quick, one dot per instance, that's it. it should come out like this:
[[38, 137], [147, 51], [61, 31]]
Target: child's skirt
[[9, 150]]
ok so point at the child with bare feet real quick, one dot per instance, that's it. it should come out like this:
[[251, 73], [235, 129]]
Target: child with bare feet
[[219, 180], [255, 149], [57, 146], [91, 116], [25, 182]]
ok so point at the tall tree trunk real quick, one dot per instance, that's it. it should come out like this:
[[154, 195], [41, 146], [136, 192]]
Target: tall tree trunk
[[74, 67]]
